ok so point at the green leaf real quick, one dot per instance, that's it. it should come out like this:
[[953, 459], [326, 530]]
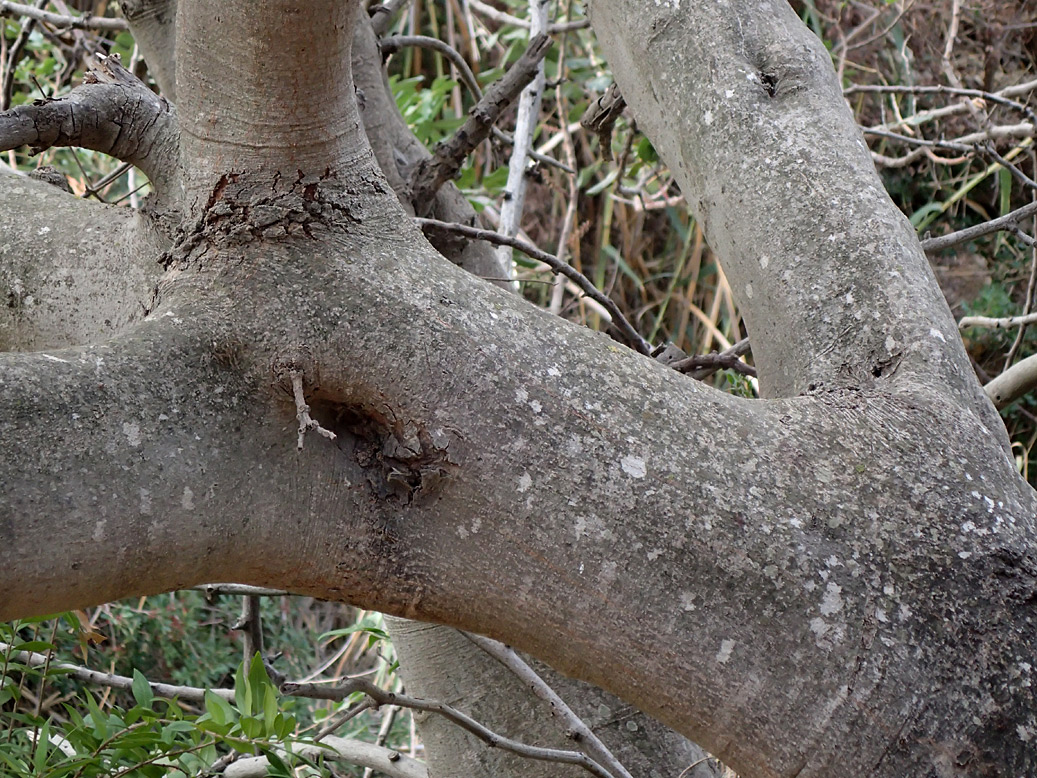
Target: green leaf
[[277, 767], [35, 645], [43, 746], [219, 709], [242, 693], [269, 709], [284, 726], [142, 692]]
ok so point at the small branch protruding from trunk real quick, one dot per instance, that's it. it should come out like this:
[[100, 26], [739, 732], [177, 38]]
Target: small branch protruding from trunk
[[306, 422]]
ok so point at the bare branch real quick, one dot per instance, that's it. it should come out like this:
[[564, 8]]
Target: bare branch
[[302, 412], [112, 112], [492, 739], [630, 335], [505, 18], [384, 760], [575, 729], [189, 693], [449, 155], [1019, 379], [1006, 222], [704, 365], [212, 589], [1000, 98], [394, 43], [62, 22]]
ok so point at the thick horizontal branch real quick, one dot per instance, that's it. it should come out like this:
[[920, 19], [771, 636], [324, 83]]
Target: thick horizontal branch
[[112, 112], [449, 155], [74, 270]]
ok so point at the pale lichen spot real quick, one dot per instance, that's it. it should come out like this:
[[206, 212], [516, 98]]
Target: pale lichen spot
[[935, 333], [132, 432], [819, 627], [688, 601], [536, 406], [633, 466], [832, 602], [749, 291], [707, 118], [654, 554], [764, 261], [554, 372], [521, 395], [525, 481], [724, 654], [145, 502], [187, 499], [891, 343], [98, 535], [476, 525]]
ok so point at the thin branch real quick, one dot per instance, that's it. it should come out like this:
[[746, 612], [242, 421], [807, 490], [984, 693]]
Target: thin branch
[[575, 729], [449, 155], [15, 54], [394, 43], [1000, 98], [702, 366], [505, 18], [62, 22], [492, 739], [188, 693], [630, 335], [526, 120], [997, 324], [1006, 222], [240, 590], [302, 412]]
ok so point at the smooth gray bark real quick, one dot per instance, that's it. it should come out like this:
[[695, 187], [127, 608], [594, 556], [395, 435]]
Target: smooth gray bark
[[442, 664], [71, 270], [839, 581]]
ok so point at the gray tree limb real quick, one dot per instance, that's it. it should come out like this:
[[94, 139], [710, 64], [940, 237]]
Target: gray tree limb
[[70, 269], [112, 112]]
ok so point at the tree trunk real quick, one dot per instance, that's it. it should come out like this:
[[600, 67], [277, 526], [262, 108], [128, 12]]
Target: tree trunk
[[839, 580]]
